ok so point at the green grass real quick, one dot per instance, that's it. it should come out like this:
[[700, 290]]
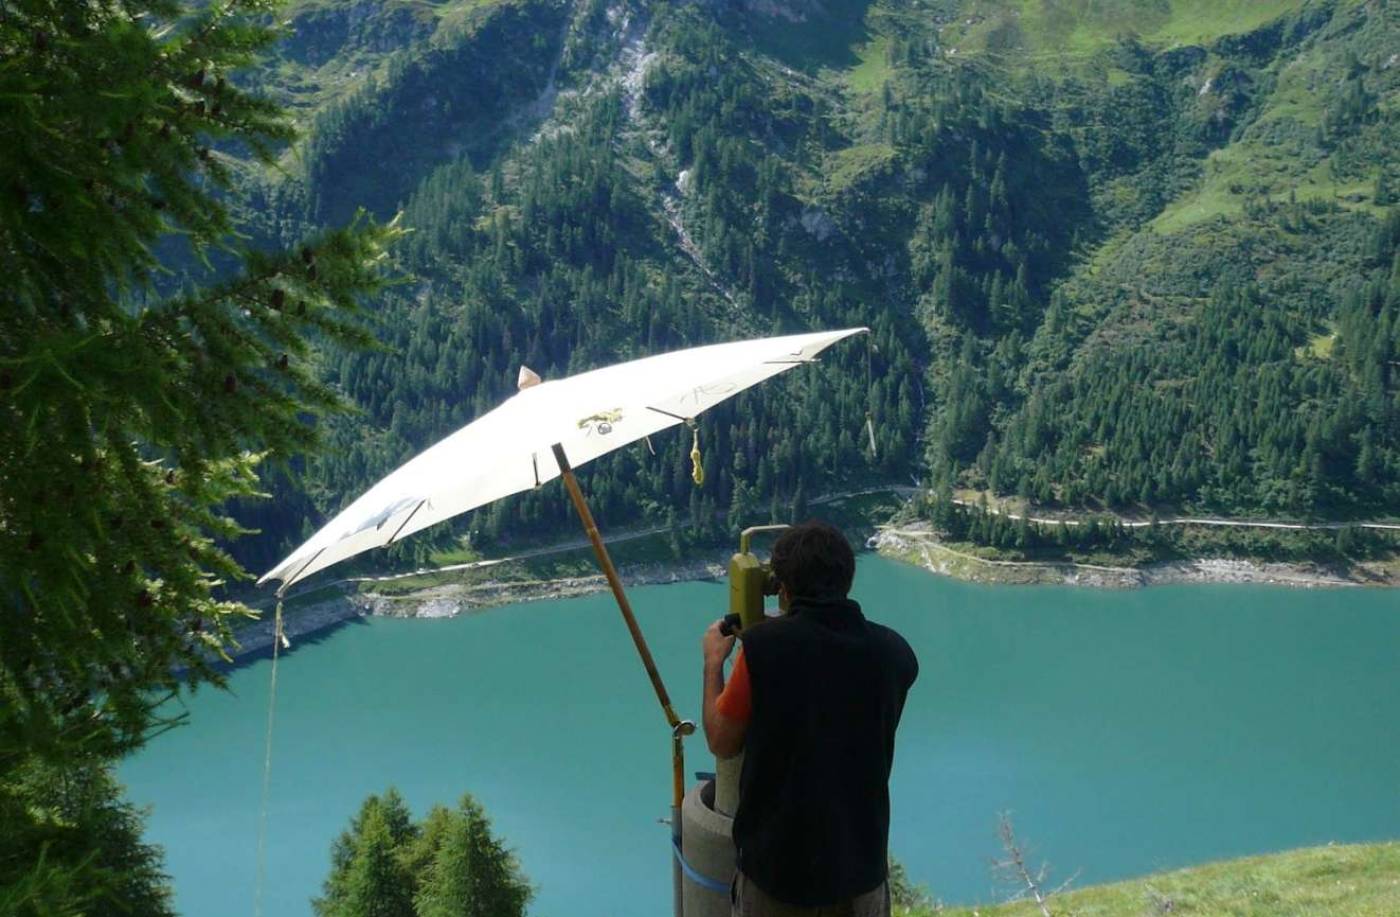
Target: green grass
[[1253, 167], [874, 68], [1058, 38], [305, 89], [461, 553], [1117, 76], [1277, 157], [1076, 27], [463, 14], [1235, 172], [1231, 173], [852, 165], [1320, 346], [1202, 21], [1295, 96], [1208, 202], [1361, 880]]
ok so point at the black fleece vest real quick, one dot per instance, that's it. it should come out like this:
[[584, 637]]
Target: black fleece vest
[[814, 808]]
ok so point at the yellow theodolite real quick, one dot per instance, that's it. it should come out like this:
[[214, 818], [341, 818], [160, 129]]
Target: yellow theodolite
[[749, 581]]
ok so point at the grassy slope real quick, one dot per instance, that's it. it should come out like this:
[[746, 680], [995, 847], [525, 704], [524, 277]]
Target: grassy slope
[[1070, 36], [1360, 880], [1256, 163], [1051, 38], [370, 37], [1275, 152], [874, 68], [1062, 30], [1085, 25]]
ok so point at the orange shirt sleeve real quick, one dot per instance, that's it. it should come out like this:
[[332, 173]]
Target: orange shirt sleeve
[[735, 702]]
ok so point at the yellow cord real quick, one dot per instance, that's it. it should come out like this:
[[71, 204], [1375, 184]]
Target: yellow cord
[[697, 468]]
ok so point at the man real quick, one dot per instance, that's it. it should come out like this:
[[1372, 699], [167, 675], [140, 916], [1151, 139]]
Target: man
[[813, 702]]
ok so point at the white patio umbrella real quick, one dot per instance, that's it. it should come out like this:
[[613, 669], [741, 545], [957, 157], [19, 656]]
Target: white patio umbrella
[[511, 448]]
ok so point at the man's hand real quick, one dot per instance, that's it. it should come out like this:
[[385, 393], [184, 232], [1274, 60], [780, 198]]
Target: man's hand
[[715, 645], [724, 736]]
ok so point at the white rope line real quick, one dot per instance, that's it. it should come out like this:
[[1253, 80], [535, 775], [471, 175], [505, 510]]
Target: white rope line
[[278, 638]]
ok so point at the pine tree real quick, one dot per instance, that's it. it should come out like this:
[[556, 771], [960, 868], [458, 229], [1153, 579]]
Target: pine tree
[[131, 413], [376, 883], [75, 815], [472, 873], [349, 851], [135, 407], [450, 865]]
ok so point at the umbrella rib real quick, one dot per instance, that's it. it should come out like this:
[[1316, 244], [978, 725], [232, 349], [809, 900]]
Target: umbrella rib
[[293, 578], [790, 362], [405, 522], [669, 414]]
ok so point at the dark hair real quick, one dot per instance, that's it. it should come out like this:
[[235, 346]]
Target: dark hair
[[814, 560]]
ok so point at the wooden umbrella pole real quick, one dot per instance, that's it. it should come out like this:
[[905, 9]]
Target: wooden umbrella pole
[[679, 727], [615, 582]]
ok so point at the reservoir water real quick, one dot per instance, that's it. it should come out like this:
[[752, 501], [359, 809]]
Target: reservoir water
[[1126, 731]]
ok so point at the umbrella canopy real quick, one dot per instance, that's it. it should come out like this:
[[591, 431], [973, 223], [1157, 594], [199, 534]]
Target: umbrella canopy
[[509, 449]]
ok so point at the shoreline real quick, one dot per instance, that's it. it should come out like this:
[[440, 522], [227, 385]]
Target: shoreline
[[915, 545], [450, 600]]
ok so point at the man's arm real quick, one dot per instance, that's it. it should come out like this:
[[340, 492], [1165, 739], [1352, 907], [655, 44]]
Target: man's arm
[[724, 735]]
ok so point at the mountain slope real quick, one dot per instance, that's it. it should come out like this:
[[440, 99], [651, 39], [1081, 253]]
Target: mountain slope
[[1129, 254], [1180, 366]]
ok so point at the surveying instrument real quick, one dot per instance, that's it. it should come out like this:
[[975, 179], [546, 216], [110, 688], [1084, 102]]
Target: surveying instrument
[[705, 855]]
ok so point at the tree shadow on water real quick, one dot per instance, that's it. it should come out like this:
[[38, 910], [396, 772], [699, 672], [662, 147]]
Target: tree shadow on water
[[257, 638]]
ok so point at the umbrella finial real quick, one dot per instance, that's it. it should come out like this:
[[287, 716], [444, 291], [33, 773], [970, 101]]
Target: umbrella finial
[[527, 378]]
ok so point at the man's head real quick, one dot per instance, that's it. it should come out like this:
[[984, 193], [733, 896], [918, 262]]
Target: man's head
[[813, 560]]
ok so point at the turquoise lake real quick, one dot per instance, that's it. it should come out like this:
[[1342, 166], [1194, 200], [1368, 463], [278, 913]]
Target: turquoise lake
[[1127, 732]]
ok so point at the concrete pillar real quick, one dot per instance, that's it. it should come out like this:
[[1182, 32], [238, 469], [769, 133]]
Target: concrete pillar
[[727, 772], [708, 844]]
